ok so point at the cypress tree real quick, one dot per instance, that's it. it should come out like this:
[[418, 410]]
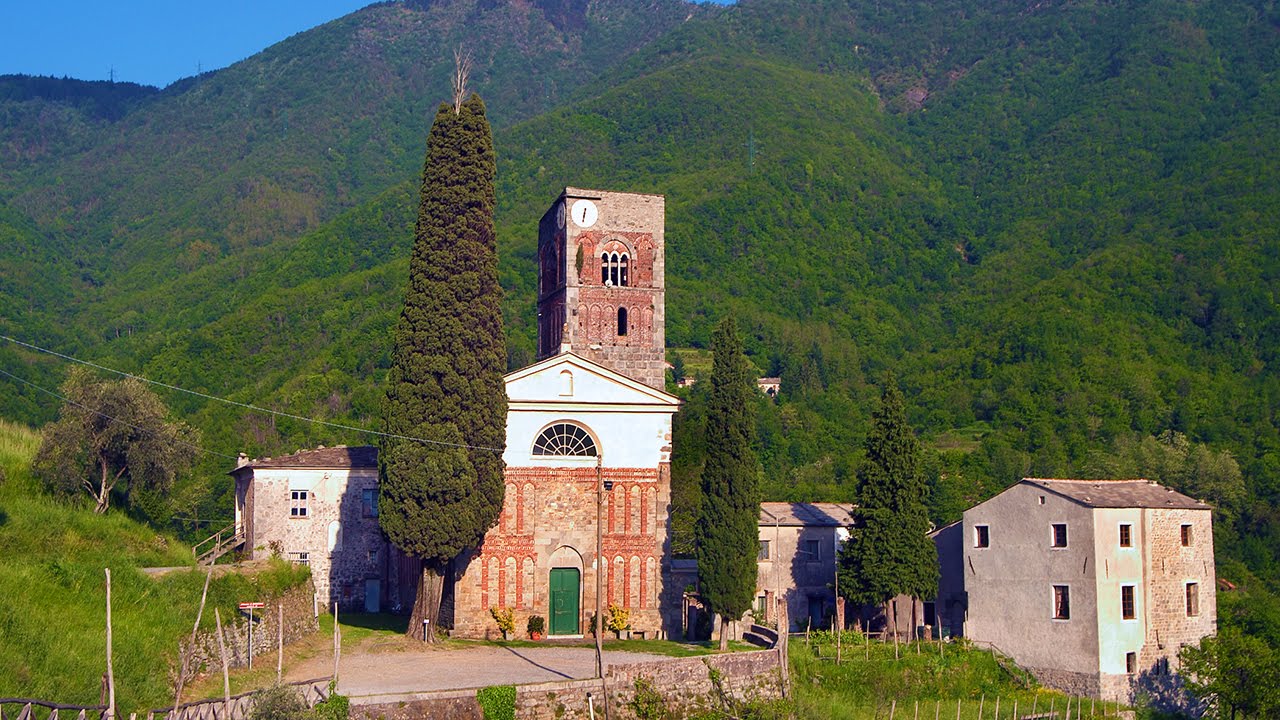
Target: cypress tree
[[889, 552], [445, 384], [726, 533]]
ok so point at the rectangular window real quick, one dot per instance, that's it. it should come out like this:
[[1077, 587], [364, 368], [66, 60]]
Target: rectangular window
[[300, 558], [1131, 663], [369, 503], [764, 550], [1193, 599], [1126, 603], [1059, 534], [813, 549], [298, 503], [1186, 536], [1061, 602], [981, 536], [1126, 535]]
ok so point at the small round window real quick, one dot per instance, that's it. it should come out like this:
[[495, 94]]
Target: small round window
[[564, 439]]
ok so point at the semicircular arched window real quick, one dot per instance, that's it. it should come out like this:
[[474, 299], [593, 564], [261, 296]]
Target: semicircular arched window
[[564, 439]]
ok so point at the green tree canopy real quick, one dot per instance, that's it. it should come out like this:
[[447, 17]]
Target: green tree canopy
[[1236, 675], [726, 534], [112, 436], [889, 552], [445, 384]]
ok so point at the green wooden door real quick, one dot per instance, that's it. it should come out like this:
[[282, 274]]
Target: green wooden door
[[564, 601]]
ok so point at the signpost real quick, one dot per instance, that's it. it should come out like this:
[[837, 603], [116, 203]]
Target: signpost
[[251, 606]]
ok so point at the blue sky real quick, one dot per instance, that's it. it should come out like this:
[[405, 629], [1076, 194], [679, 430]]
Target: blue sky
[[148, 41]]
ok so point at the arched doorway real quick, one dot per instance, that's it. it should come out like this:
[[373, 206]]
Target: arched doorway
[[564, 597]]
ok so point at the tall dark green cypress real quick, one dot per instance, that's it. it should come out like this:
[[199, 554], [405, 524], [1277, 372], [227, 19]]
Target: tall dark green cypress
[[726, 534], [889, 552], [445, 385]]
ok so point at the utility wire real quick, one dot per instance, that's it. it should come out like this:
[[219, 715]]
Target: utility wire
[[109, 418], [246, 406]]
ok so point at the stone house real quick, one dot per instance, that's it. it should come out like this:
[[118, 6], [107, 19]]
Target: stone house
[[799, 543], [1092, 585], [588, 431], [318, 508]]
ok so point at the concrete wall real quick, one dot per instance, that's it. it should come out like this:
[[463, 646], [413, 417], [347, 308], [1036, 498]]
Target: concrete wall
[[685, 684], [1010, 583]]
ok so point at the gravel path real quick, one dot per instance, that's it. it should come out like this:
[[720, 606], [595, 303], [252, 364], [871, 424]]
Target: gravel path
[[368, 675]]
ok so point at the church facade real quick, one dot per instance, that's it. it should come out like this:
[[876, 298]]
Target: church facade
[[588, 434], [588, 449]]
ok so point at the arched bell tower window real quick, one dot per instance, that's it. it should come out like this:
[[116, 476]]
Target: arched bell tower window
[[622, 321], [615, 269], [565, 439]]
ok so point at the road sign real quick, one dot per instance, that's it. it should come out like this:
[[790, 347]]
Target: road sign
[[252, 605]]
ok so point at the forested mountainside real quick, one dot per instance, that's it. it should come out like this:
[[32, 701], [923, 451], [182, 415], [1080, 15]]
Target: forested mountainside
[[1056, 222]]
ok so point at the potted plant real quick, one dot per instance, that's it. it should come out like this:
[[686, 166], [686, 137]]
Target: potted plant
[[506, 619], [536, 627], [619, 621]]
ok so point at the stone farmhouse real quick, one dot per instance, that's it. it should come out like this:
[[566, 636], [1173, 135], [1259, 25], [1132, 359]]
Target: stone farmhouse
[[799, 543], [318, 508], [1092, 585], [588, 446]]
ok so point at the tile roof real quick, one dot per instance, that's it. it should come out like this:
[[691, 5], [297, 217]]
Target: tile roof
[[339, 456], [806, 514], [1118, 493]]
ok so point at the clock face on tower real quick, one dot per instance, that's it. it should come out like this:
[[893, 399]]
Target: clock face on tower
[[584, 213], [560, 216]]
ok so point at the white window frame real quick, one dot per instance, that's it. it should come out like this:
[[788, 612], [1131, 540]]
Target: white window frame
[[1053, 535], [1053, 602], [1120, 536], [299, 504], [1133, 597]]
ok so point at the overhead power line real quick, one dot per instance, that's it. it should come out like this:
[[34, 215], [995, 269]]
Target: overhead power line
[[246, 406], [109, 418]]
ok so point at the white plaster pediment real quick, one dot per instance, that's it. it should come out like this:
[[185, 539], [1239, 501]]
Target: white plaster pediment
[[569, 379]]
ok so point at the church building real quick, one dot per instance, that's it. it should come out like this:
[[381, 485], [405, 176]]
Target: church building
[[588, 433], [588, 447]]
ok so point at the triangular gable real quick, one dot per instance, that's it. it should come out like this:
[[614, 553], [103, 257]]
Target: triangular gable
[[592, 383]]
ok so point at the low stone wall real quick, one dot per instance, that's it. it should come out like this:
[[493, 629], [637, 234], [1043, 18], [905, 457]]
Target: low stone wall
[[1071, 683], [299, 621], [685, 686]]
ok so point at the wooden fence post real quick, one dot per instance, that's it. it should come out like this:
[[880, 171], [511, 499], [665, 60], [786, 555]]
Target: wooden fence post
[[280, 642], [111, 677], [226, 673]]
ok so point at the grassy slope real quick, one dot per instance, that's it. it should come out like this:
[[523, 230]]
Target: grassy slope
[[52, 557], [870, 681]]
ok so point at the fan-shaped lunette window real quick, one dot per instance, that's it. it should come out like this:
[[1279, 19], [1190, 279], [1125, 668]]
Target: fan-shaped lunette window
[[564, 439]]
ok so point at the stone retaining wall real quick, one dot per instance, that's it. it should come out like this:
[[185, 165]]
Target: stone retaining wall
[[686, 685], [299, 621]]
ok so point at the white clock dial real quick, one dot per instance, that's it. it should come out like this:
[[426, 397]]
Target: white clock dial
[[560, 216], [584, 213]]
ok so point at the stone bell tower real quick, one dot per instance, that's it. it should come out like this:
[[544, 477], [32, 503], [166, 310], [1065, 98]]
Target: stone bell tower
[[601, 281]]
